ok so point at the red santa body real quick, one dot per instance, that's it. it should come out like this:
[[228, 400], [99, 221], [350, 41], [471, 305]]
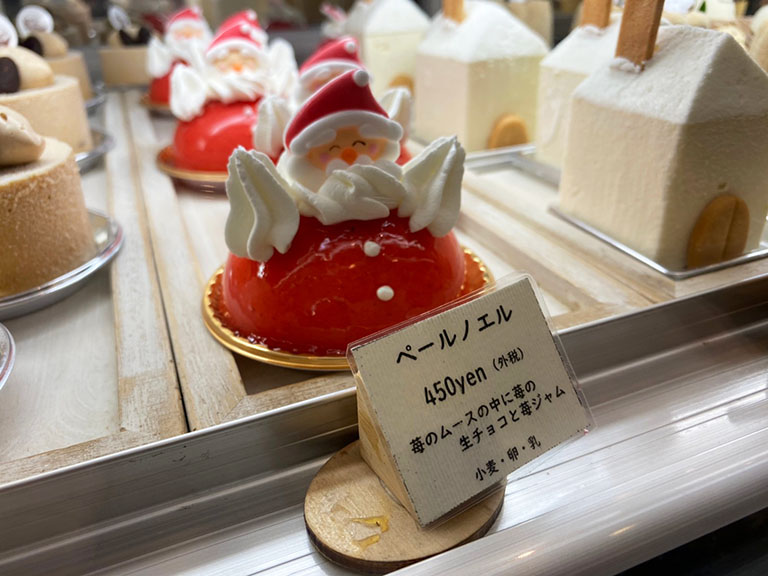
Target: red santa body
[[218, 105], [184, 31], [356, 260]]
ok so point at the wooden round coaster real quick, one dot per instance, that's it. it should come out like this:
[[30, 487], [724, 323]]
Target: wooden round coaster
[[353, 521]]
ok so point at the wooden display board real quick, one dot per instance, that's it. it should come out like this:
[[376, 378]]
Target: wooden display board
[[504, 219], [128, 360], [95, 373]]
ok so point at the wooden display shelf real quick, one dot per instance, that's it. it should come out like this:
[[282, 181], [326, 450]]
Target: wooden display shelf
[[187, 230], [95, 373], [107, 369]]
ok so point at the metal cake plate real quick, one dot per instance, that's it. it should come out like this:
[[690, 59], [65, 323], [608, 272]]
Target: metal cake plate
[[210, 182], [98, 98], [522, 157], [477, 276], [756, 254], [102, 143], [108, 236], [680, 448], [7, 354]]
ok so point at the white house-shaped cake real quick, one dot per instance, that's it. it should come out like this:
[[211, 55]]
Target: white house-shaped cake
[[673, 160], [536, 14], [389, 34], [476, 73], [582, 52]]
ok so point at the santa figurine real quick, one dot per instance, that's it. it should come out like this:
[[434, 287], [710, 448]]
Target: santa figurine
[[187, 35], [338, 241], [332, 59], [248, 17], [216, 97]]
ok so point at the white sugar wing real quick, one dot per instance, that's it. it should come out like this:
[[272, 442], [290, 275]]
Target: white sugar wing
[[262, 215], [189, 92], [274, 114], [433, 183], [159, 58], [398, 103], [283, 71]]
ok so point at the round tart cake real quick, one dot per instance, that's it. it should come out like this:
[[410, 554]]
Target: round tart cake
[[44, 226], [36, 32], [124, 59], [52, 104], [73, 64]]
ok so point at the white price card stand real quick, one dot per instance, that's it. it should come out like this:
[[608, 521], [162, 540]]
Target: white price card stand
[[449, 404]]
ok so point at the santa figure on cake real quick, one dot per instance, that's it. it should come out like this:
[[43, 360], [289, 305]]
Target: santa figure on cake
[[328, 62], [216, 96], [186, 36], [338, 241]]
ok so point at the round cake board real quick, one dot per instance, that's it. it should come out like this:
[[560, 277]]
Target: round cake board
[[353, 521]]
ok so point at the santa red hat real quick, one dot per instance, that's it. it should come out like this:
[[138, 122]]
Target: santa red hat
[[244, 38], [186, 17], [335, 56], [247, 17], [344, 102]]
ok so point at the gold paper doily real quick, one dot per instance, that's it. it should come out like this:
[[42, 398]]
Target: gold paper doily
[[477, 275]]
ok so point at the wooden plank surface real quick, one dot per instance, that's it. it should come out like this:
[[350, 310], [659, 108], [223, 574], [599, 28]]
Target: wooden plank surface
[[209, 378], [94, 373], [505, 219], [149, 395]]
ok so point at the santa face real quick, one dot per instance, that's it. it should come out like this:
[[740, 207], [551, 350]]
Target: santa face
[[348, 148], [187, 32], [236, 62]]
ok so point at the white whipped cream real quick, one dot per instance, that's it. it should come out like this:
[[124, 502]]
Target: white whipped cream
[[433, 183], [398, 103], [274, 114], [159, 58], [362, 192], [265, 206], [262, 216]]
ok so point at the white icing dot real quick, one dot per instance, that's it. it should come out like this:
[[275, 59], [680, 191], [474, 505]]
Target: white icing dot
[[371, 248], [385, 293]]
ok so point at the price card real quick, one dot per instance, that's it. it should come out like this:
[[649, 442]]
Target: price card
[[461, 398]]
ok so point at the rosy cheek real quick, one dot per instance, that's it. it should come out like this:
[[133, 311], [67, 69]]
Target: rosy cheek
[[373, 148], [325, 157]]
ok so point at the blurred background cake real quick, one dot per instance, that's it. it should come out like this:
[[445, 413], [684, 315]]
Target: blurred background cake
[[52, 104], [44, 226], [35, 27], [124, 58]]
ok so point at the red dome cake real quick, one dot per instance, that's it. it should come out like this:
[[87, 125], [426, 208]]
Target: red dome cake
[[341, 282], [186, 35], [338, 241]]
